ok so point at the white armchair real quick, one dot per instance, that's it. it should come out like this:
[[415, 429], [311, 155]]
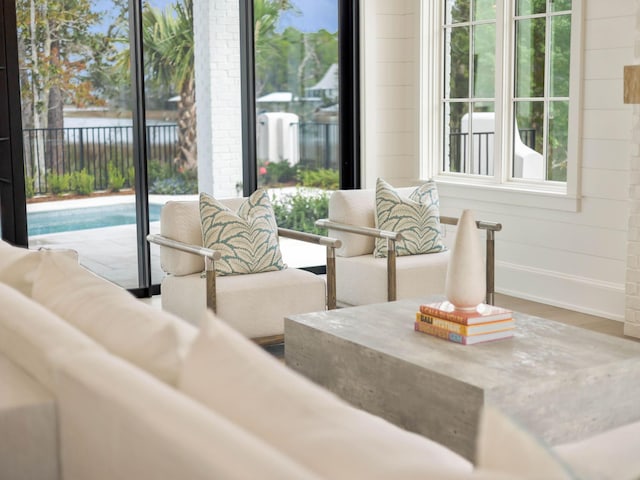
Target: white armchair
[[362, 278], [255, 304]]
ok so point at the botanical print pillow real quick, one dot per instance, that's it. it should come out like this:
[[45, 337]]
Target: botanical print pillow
[[247, 239], [416, 217]]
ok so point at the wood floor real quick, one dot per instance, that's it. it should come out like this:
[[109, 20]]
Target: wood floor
[[590, 322]]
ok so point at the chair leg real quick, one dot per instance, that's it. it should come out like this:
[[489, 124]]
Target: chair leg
[[391, 271], [490, 267], [211, 284], [331, 278]]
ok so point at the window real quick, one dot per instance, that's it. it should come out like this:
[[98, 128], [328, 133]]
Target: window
[[505, 110]]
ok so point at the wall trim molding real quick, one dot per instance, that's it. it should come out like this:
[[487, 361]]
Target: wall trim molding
[[573, 292]]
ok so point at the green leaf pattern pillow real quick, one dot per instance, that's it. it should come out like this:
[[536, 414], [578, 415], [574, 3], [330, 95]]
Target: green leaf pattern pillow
[[248, 239], [416, 217]]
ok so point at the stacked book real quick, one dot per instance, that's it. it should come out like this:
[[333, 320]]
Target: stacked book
[[484, 324]]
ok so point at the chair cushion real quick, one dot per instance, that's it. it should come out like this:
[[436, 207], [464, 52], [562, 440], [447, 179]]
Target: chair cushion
[[154, 340], [416, 217], [247, 239], [416, 276], [236, 379], [181, 221], [28, 422], [32, 337], [117, 422], [353, 207], [254, 304]]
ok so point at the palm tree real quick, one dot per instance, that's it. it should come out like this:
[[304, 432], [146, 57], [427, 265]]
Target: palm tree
[[169, 60]]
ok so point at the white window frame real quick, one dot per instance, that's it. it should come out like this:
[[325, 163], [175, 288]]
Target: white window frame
[[500, 187]]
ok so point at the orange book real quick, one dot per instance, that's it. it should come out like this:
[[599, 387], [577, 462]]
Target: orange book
[[463, 339], [482, 314], [466, 329]]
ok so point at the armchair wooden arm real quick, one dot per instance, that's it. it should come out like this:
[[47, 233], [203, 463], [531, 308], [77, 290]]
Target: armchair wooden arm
[[393, 237], [331, 244]]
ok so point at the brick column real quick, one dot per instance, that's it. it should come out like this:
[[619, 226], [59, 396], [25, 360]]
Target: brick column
[[218, 95]]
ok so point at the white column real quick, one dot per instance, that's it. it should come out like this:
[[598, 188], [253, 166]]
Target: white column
[[218, 95], [632, 287]]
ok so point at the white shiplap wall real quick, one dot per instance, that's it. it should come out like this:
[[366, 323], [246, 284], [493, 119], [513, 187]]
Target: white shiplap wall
[[390, 53], [573, 259]]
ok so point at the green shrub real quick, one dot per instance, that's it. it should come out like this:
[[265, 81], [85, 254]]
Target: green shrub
[[82, 182], [299, 211], [116, 179], [322, 178], [277, 173], [159, 171], [173, 186], [59, 184], [131, 177], [29, 186]]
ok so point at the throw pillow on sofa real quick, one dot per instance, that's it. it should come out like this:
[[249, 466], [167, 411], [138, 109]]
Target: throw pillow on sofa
[[417, 218], [152, 339], [247, 239], [18, 265], [238, 380], [35, 338], [505, 446]]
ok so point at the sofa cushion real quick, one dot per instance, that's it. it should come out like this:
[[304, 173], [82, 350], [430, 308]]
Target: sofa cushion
[[416, 217], [611, 455], [18, 265], [154, 340], [247, 238], [235, 378], [505, 446], [117, 422], [252, 304], [32, 336], [28, 426]]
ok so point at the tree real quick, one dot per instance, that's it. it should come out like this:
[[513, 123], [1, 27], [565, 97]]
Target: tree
[[169, 60], [54, 41]]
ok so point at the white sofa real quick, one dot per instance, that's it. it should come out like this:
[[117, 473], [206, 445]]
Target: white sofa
[[95, 384]]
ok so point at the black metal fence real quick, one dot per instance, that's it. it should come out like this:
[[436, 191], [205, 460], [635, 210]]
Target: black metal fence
[[460, 159], [60, 151], [319, 145]]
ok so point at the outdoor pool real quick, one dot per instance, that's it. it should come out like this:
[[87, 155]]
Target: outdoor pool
[[71, 219]]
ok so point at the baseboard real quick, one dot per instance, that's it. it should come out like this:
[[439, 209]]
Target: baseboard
[[632, 329], [580, 294]]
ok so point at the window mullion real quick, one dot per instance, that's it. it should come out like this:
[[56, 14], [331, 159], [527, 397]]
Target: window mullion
[[502, 94]]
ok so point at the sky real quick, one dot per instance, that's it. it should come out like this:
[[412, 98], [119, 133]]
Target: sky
[[313, 14]]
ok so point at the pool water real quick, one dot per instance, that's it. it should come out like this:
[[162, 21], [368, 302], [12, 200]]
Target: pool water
[[69, 220]]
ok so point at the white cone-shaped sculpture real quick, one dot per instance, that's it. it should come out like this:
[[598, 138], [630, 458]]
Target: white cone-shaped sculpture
[[465, 286]]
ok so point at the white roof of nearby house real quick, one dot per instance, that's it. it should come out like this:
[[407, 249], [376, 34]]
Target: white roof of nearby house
[[329, 81], [276, 97]]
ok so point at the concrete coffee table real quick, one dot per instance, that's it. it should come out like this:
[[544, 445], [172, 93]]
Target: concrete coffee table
[[563, 383]]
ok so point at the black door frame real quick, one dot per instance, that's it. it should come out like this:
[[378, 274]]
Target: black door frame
[[13, 201], [348, 98]]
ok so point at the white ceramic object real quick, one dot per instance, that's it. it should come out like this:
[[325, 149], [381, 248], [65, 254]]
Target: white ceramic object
[[465, 286]]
